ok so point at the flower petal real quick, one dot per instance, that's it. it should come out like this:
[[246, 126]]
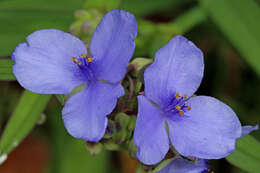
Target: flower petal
[[180, 165], [150, 134], [84, 114], [178, 67], [43, 64], [112, 44], [208, 131], [248, 129]]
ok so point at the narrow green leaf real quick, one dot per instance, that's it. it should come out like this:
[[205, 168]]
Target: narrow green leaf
[[145, 7], [247, 154], [52, 5], [152, 36], [6, 72], [20, 18], [102, 4], [189, 19], [239, 21], [23, 119], [26, 22]]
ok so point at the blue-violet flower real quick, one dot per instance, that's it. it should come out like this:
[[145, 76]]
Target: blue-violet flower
[[55, 62], [179, 165], [199, 126], [182, 165]]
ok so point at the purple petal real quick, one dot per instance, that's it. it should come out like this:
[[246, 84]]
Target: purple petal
[[150, 134], [84, 114], [43, 64], [180, 165], [248, 129], [208, 131], [178, 67], [112, 44]]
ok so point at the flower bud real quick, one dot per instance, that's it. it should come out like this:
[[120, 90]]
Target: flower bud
[[94, 148]]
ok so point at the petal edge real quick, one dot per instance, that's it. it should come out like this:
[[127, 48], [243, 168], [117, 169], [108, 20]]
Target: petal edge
[[208, 131]]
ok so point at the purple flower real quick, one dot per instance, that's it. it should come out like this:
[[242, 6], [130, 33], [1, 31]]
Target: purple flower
[[55, 62], [199, 126], [180, 165], [248, 129]]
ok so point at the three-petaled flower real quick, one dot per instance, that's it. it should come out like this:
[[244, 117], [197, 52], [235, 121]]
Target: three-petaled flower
[[199, 126], [55, 62]]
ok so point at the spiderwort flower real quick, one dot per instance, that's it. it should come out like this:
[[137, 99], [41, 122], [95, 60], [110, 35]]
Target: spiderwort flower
[[180, 165], [55, 62], [199, 126]]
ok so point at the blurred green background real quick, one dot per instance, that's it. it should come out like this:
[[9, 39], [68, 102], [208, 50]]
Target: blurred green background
[[227, 31]]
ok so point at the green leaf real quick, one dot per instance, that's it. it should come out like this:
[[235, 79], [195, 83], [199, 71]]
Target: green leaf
[[102, 4], [152, 36], [51, 5], [247, 154], [20, 18], [239, 21], [145, 7], [189, 19], [23, 119], [6, 71]]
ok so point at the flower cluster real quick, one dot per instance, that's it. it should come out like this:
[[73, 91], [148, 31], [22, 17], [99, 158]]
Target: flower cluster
[[54, 62]]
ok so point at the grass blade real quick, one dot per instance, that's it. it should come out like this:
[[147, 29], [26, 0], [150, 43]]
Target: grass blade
[[23, 119]]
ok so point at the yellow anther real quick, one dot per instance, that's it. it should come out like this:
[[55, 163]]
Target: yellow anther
[[90, 59], [178, 107], [178, 95], [76, 61], [185, 96], [188, 107], [83, 55], [181, 112]]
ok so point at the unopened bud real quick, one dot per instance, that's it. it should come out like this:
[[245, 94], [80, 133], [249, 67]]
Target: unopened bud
[[94, 148]]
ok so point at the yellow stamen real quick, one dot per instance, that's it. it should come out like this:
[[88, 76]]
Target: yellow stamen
[[185, 96], [178, 107], [181, 112], [178, 95], [76, 61], [188, 107], [83, 55], [90, 59]]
